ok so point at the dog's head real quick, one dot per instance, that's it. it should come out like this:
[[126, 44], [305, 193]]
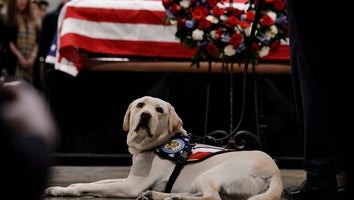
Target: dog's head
[[150, 122]]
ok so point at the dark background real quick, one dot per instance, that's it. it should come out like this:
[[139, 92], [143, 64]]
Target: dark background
[[90, 107]]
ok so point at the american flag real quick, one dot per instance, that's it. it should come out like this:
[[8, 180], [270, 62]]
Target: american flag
[[123, 28]]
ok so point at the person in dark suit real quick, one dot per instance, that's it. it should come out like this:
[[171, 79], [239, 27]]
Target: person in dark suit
[[49, 28], [324, 105]]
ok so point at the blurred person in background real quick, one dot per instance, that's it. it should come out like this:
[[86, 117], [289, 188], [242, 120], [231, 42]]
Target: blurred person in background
[[43, 8], [2, 36], [21, 39], [29, 136], [39, 9]]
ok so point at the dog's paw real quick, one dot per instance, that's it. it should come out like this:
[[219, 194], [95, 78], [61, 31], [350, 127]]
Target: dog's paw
[[53, 191], [58, 191], [147, 195]]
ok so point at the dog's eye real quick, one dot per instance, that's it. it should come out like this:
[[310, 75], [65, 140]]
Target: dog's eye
[[140, 105], [159, 109]]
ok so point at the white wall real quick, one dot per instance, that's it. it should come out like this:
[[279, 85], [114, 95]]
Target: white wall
[[53, 4]]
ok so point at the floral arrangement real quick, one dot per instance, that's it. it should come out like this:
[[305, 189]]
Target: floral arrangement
[[220, 30]]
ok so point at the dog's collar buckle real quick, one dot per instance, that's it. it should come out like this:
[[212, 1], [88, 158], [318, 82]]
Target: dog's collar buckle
[[182, 158]]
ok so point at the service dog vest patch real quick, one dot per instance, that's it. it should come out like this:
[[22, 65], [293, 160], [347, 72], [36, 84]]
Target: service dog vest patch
[[178, 144]]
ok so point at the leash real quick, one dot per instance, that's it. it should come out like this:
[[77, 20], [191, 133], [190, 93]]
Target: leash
[[234, 132]]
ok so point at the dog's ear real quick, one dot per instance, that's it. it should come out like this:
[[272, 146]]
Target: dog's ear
[[126, 121], [175, 122]]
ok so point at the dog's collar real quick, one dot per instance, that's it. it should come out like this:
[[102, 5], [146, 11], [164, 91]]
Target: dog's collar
[[179, 149], [173, 148]]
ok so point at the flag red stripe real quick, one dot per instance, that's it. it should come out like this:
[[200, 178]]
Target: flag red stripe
[[281, 54], [116, 15], [125, 48], [142, 48]]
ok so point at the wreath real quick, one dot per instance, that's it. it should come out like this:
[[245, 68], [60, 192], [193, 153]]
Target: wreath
[[220, 30]]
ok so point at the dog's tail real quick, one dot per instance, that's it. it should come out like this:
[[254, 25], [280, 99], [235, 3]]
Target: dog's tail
[[273, 192]]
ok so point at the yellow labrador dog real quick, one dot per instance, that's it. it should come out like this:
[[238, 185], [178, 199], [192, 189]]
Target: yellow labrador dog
[[152, 122]]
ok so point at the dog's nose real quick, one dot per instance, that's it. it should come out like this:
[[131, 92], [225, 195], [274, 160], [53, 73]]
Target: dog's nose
[[145, 116]]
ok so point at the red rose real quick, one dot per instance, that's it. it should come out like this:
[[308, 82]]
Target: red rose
[[181, 23], [234, 11], [212, 3], [199, 12], [236, 39], [211, 49], [175, 8], [266, 21], [166, 3], [217, 12], [279, 4], [218, 34], [254, 47], [244, 24], [250, 16], [233, 21], [204, 23]]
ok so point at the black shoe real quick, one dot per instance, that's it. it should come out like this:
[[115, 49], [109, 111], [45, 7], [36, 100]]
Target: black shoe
[[345, 192], [305, 192], [296, 192], [342, 193]]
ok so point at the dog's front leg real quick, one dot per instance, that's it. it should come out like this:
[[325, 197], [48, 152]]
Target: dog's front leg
[[103, 188]]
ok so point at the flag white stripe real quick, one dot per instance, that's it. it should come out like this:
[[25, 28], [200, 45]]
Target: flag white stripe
[[155, 5], [120, 31], [123, 4], [66, 66]]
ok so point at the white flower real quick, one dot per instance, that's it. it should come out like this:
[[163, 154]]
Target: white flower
[[220, 32], [264, 51], [272, 32], [272, 15], [229, 50], [185, 3], [223, 17], [197, 34], [173, 21], [212, 34], [220, 5], [212, 19]]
